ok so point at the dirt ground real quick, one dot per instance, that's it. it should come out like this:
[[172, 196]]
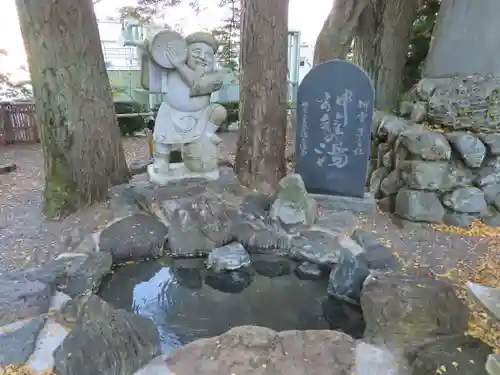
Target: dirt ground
[[27, 238]]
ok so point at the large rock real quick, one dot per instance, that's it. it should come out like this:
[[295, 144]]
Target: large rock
[[136, 237], [467, 200], [72, 273], [17, 345], [471, 149], [261, 351], [20, 299], [293, 204], [103, 340], [390, 127], [489, 174], [228, 258], [408, 310], [392, 183], [427, 145], [415, 205], [362, 254], [489, 298], [424, 175], [492, 195], [492, 142], [457, 354], [317, 247], [215, 218]]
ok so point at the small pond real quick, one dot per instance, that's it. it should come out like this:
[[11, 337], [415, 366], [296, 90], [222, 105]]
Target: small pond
[[188, 302]]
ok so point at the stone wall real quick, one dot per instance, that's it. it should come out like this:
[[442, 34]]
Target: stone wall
[[440, 173]]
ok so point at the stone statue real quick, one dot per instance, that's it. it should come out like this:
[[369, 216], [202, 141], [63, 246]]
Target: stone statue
[[183, 71]]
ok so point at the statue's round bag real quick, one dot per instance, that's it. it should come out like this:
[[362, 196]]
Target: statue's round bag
[[159, 43]]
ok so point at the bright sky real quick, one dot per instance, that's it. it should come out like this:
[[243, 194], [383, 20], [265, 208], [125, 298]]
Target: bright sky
[[302, 16]]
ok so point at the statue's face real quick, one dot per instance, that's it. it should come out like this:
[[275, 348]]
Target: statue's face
[[201, 56]]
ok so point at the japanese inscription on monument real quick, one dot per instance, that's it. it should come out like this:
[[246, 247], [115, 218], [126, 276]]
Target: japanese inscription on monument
[[334, 114]]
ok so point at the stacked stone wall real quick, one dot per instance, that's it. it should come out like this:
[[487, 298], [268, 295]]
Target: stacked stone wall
[[439, 169]]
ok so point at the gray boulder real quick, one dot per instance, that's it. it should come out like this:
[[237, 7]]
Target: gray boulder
[[293, 205], [492, 142], [419, 112], [415, 205], [492, 195], [136, 237], [228, 258], [406, 310], [17, 345], [392, 183], [427, 145], [317, 247], [260, 351], [103, 340], [470, 148], [458, 219], [390, 127], [489, 174], [425, 175], [467, 200], [21, 299]]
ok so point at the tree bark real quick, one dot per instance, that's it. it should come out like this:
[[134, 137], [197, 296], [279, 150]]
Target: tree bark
[[335, 38], [73, 104], [465, 40], [260, 159], [381, 46]]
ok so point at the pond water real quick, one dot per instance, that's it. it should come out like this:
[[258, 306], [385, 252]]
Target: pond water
[[187, 302]]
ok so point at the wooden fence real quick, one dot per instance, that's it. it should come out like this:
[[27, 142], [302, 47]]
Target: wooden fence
[[17, 123]]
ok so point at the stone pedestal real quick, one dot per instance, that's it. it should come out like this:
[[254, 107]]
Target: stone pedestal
[[177, 172]]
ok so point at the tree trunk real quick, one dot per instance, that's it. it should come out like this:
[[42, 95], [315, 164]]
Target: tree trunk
[[465, 40], [260, 160], [73, 104], [335, 38], [381, 46]]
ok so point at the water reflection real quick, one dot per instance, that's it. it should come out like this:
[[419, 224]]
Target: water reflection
[[186, 302]]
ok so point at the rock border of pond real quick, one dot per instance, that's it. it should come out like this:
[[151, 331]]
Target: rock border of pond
[[52, 320]]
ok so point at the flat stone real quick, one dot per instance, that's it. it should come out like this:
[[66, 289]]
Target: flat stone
[[21, 299], [107, 341], [488, 297], [493, 364], [135, 237], [260, 351], [309, 271], [338, 203], [317, 247], [228, 258], [337, 223], [16, 346]]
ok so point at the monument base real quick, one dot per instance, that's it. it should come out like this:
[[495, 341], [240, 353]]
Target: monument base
[[178, 172], [338, 202]]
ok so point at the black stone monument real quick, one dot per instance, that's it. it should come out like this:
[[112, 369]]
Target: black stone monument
[[334, 116]]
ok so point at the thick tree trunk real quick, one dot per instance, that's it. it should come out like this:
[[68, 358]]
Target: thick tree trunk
[[335, 38], [381, 46], [465, 40], [74, 107], [260, 160]]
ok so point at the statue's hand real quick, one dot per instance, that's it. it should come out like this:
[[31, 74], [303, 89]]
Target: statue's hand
[[172, 55]]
